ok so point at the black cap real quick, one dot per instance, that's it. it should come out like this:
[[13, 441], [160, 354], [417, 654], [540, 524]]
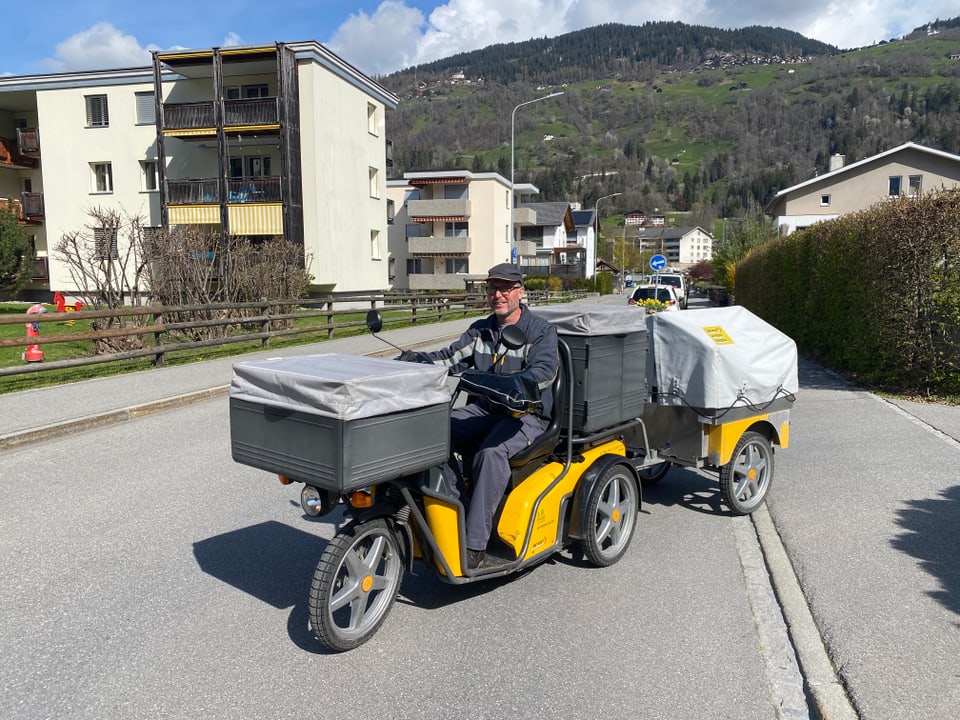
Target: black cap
[[505, 271]]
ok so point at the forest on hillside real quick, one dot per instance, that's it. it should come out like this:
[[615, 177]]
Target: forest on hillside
[[714, 127]]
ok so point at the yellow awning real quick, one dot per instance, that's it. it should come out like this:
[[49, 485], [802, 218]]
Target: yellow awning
[[256, 219], [194, 215], [189, 132]]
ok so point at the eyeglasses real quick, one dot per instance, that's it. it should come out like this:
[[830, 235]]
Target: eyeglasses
[[494, 289]]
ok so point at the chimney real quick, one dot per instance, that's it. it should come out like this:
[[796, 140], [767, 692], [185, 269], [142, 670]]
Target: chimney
[[837, 161]]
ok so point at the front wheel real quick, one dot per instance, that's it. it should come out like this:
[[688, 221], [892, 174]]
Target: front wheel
[[612, 509], [355, 584], [745, 480]]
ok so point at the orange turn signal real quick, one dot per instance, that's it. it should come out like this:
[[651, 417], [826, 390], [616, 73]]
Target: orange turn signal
[[361, 499], [284, 480]]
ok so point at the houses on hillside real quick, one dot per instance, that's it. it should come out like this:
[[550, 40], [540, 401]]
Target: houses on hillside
[[283, 140]]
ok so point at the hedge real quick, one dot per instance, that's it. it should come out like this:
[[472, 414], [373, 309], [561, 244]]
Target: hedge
[[874, 294]]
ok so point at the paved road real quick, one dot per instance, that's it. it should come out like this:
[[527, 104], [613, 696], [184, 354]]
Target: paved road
[[146, 575]]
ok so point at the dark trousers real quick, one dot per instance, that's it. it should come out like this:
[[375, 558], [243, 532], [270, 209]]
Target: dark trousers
[[486, 441]]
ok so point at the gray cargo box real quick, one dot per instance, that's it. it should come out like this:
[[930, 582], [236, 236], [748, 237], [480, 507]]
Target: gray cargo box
[[339, 421], [608, 346]]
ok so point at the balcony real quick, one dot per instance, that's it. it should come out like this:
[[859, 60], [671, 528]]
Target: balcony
[[438, 210], [439, 245], [41, 271], [11, 156], [29, 207], [188, 116], [250, 112], [237, 114], [206, 191], [524, 216], [438, 281], [28, 141]]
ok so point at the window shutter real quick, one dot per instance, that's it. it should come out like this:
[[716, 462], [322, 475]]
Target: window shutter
[[146, 109]]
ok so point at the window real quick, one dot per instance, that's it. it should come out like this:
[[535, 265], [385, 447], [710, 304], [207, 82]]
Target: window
[[97, 114], [374, 182], [105, 243], [413, 230], [260, 90], [149, 179], [457, 265], [411, 195], [371, 118], [414, 266], [456, 229], [893, 189], [455, 192], [101, 177], [375, 245], [915, 184], [257, 165], [146, 108], [824, 201]]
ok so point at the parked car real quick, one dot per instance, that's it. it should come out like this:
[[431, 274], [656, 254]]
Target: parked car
[[677, 281], [666, 294]]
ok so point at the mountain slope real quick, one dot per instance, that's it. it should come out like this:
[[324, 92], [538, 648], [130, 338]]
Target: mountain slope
[[673, 116]]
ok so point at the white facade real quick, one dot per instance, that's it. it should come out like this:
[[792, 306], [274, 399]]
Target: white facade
[[100, 146]]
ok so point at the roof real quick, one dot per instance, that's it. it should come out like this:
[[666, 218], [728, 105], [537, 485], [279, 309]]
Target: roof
[[583, 218], [552, 214], [669, 233], [830, 176]]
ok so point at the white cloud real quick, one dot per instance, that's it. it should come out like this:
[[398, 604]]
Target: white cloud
[[464, 25], [102, 46]]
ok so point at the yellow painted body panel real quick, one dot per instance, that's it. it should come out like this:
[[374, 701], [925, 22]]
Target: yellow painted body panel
[[515, 517], [722, 439], [442, 517]]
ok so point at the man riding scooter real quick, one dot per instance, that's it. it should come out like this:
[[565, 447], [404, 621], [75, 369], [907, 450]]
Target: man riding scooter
[[485, 432]]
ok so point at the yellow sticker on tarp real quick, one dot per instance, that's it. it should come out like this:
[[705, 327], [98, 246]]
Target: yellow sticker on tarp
[[718, 335]]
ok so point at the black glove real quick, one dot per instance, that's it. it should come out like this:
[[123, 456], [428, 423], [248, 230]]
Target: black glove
[[413, 356]]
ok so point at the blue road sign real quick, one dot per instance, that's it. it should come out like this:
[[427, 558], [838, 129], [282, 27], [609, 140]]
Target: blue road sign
[[513, 255], [658, 263]]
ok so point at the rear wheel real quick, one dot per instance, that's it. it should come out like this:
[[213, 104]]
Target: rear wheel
[[745, 480], [355, 584], [652, 474], [612, 509]]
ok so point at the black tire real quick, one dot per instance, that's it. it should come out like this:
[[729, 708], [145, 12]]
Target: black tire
[[355, 584], [652, 474], [745, 480], [612, 509]]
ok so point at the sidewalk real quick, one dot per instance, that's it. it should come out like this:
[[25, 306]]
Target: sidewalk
[[36, 415]]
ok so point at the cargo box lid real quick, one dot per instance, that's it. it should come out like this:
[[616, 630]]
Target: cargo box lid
[[342, 386], [578, 318], [718, 358]]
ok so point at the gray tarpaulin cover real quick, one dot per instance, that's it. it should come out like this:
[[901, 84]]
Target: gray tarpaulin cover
[[718, 357], [346, 387], [590, 319]]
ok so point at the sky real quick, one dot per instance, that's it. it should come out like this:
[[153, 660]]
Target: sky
[[382, 36]]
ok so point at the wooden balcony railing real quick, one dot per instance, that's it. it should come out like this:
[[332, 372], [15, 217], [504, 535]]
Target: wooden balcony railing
[[188, 116], [239, 190], [256, 111]]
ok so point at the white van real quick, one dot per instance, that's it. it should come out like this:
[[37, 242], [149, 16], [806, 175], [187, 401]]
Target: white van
[[676, 279]]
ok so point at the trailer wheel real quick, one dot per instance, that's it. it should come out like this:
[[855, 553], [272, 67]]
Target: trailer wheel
[[612, 509], [652, 474], [745, 480], [355, 584]]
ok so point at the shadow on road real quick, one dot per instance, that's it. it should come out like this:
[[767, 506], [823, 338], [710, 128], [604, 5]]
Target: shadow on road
[[272, 562], [930, 535], [688, 489]]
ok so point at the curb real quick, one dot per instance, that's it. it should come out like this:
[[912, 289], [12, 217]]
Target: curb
[[111, 417], [827, 692]]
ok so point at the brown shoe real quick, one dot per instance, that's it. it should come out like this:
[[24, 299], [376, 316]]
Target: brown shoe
[[475, 558]]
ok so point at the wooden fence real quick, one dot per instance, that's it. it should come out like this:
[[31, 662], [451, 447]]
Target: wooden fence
[[241, 322]]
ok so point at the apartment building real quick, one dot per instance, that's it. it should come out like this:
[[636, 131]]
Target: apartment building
[[683, 247], [256, 141], [449, 228]]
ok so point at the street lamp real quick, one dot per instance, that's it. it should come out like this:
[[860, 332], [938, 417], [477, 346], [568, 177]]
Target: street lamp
[[596, 238], [513, 199]]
